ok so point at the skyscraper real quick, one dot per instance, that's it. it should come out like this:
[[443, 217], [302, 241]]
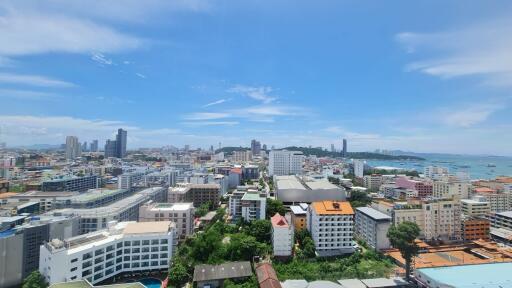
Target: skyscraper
[[72, 147], [255, 147], [94, 146], [111, 148], [332, 148], [84, 147], [344, 152], [121, 143]]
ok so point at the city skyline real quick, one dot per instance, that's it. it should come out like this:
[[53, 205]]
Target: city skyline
[[204, 72]]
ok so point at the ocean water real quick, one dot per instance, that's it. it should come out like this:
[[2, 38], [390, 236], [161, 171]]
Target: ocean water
[[478, 167]]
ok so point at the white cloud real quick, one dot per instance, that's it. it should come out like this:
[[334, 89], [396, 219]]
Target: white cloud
[[211, 123], [207, 116], [141, 75], [472, 115], [26, 94], [260, 93], [480, 50], [101, 59], [220, 101], [34, 80]]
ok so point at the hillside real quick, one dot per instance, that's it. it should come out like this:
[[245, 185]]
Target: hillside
[[323, 153], [354, 155]]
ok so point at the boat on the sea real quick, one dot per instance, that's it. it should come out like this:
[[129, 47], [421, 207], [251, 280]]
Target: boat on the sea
[[491, 165]]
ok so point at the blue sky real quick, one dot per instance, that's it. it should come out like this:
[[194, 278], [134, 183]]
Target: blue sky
[[427, 76]]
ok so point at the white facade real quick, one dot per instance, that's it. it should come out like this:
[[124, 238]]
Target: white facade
[[283, 162], [372, 226], [476, 207], [128, 180], [97, 256], [282, 236], [73, 148], [447, 188], [435, 172], [359, 168], [248, 204], [182, 214], [241, 156], [331, 225]]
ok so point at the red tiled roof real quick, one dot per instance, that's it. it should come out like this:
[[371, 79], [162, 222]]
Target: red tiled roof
[[278, 220], [267, 277]]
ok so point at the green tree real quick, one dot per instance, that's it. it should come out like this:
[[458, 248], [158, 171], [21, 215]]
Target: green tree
[[178, 274], [261, 230], [308, 248], [359, 199], [203, 209], [34, 280], [402, 237], [273, 207]]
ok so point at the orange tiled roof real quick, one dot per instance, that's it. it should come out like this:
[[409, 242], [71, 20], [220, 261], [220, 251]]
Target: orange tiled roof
[[484, 190], [332, 208], [7, 195]]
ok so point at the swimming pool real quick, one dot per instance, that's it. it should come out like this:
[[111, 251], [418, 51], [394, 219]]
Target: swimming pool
[[151, 282]]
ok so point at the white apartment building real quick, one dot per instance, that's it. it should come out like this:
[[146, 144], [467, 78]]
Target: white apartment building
[[372, 226], [283, 162], [248, 204], [180, 213], [282, 236], [331, 225], [97, 256], [447, 188], [476, 207], [435, 172], [359, 168], [128, 180], [126, 209]]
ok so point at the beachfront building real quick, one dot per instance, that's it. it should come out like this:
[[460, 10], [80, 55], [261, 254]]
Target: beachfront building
[[331, 224], [124, 247]]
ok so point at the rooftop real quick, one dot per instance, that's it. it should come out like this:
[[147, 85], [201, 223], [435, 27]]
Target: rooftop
[[228, 270], [374, 214], [147, 227], [279, 221], [472, 276], [332, 208]]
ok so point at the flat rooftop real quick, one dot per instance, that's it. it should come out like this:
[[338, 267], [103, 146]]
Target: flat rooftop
[[172, 206], [332, 208], [493, 275], [374, 214], [147, 227]]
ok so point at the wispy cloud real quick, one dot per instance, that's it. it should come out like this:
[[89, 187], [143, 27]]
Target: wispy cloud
[[101, 59], [480, 50], [26, 94], [207, 116], [141, 75], [33, 80], [471, 115], [211, 123], [220, 101], [260, 93], [37, 33]]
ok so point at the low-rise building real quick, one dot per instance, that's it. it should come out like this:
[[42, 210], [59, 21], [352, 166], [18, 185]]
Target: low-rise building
[[213, 276], [282, 236], [98, 256], [331, 224], [372, 182], [475, 229], [372, 226], [299, 216], [248, 204], [476, 207]]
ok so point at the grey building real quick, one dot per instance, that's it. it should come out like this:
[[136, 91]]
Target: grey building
[[71, 183], [19, 245], [94, 146], [73, 148], [121, 143], [126, 209], [372, 226], [110, 148]]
